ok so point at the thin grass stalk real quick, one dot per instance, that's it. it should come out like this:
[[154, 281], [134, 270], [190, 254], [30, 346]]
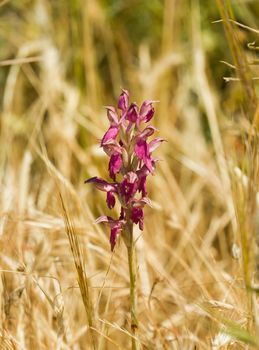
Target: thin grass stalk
[[246, 209], [239, 57], [252, 193], [83, 281], [245, 206], [206, 95]]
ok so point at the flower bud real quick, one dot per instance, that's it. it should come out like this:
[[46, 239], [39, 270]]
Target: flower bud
[[123, 100], [132, 113]]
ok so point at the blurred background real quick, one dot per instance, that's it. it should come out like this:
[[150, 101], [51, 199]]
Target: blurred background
[[60, 63]]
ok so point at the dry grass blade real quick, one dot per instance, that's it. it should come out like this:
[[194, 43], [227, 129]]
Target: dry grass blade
[[234, 330], [239, 57], [80, 268], [20, 61], [60, 62], [4, 2]]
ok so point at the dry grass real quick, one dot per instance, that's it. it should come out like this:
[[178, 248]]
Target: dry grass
[[60, 287]]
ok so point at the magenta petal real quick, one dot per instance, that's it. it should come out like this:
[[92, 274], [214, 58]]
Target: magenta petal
[[132, 113], [143, 201], [131, 177], [137, 216], [112, 147], [110, 200], [129, 186], [110, 134], [103, 219], [115, 225], [122, 214], [155, 143], [140, 203], [108, 220], [115, 164], [148, 131], [146, 111], [112, 115], [149, 164], [142, 152], [123, 100], [142, 187], [113, 237], [141, 149], [143, 171], [101, 184]]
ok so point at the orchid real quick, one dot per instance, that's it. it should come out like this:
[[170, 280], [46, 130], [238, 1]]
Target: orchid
[[126, 144]]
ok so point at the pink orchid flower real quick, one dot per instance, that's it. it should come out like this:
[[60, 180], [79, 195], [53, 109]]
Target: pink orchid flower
[[130, 158]]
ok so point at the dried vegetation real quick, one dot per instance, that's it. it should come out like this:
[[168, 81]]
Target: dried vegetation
[[60, 62]]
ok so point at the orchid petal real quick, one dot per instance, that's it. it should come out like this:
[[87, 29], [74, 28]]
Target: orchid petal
[[129, 186], [147, 111], [115, 164], [140, 203], [142, 152], [132, 113], [123, 100], [111, 147], [148, 131], [155, 143], [101, 184], [110, 134], [112, 115], [103, 219], [110, 200], [142, 187], [115, 231], [137, 216]]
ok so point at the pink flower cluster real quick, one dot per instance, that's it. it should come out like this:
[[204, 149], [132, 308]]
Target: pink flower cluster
[[126, 144]]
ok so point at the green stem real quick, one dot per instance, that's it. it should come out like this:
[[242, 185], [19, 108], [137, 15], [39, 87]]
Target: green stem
[[133, 289]]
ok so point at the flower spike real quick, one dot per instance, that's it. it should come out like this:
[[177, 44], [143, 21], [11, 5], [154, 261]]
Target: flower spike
[[127, 144]]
